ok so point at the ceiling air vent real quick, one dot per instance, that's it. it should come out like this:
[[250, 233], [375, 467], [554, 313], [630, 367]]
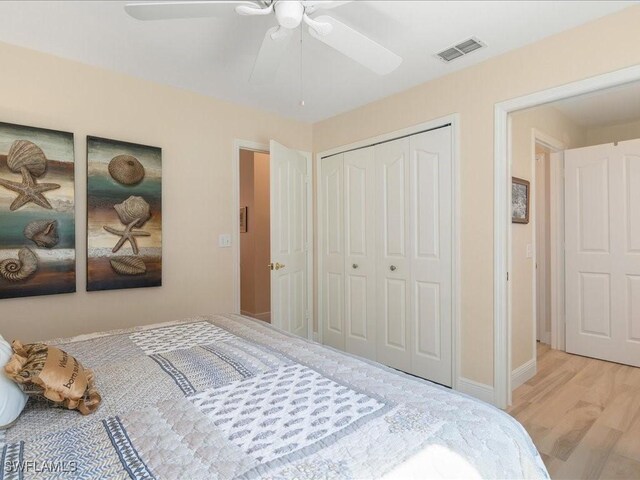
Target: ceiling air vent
[[460, 49]]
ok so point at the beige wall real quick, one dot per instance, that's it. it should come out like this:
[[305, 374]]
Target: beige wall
[[551, 122], [196, 134], [613, 133], [569, 56], [255, 251]]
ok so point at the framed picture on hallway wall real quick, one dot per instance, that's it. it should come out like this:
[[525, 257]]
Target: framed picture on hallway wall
[[243, 219], [520, 193]]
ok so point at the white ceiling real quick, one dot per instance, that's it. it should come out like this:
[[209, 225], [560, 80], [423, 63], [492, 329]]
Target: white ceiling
[[215, 57], [612, 106]]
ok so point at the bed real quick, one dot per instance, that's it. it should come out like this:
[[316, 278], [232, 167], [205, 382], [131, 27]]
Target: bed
[[228, 397]]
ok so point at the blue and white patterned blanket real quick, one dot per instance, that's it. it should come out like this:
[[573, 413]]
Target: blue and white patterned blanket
[[227, 397]]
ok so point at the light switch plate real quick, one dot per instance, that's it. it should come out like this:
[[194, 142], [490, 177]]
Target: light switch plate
[[224, 240]]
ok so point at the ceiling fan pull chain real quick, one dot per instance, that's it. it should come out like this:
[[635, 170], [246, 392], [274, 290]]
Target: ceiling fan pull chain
[[301, 65]]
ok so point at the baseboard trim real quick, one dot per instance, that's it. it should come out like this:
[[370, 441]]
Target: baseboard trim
[[481, 391], [264, 316], [523, 373]]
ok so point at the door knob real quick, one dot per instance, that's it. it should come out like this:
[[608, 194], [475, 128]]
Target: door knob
[[355, 265], [393, 268], [279, 265]]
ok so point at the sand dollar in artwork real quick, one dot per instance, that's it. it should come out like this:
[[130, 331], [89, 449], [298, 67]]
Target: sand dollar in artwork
[[126, 169]]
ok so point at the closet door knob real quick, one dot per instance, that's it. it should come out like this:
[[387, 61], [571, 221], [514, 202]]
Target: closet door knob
[[392, 268], [355, 265]]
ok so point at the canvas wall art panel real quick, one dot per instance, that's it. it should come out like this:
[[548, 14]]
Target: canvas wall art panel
[[124, 215], [37, 212]]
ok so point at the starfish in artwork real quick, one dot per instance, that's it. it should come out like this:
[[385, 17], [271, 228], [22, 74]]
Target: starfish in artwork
[[127, 235], [28, 191]]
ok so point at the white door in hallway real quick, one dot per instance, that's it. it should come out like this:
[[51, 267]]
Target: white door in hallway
[[290, 184], [602, 231]]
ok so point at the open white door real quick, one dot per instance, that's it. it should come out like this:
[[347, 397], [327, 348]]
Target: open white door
[[290, 239], [602, 187]]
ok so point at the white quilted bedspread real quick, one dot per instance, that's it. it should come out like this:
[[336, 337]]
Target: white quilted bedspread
[[225, 397]]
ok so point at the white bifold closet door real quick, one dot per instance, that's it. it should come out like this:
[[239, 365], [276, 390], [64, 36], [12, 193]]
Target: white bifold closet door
[[331, 186], [602, 229], [360, 259], [386, 253], [414, 245]]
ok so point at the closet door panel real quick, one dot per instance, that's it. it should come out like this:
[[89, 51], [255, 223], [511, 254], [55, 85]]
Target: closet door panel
[[332, 246], [360, 305], [392, 246], [430, 257]]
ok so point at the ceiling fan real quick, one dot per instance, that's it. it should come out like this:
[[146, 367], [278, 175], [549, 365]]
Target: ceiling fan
[[290, 14]]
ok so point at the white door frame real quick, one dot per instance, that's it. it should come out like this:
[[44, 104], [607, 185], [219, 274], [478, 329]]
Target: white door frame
[[454, 121], [502, 209], [238, 145], [556, 252]]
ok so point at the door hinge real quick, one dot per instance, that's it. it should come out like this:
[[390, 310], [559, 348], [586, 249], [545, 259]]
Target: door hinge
[[507, 276]]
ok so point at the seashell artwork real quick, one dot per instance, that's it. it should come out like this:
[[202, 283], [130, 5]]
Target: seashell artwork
[[126, 169], [28, 159], [44, 233], [21, 268], [134, 208], [37, 212], [26, 154], [128, 265], [124, 206]]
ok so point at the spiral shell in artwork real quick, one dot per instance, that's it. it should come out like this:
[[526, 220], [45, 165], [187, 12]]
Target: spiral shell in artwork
[[43, 233], [126, 169], [128, 265], [26, 154], [21, 268], [134, 208]]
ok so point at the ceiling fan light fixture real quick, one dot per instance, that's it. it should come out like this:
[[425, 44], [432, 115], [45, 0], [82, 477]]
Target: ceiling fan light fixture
[[289, 14]]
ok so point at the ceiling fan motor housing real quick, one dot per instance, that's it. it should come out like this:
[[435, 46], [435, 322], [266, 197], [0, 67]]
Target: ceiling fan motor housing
[[289, 14]]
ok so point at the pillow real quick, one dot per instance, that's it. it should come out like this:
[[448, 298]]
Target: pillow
[[53, 374], [12, 398]]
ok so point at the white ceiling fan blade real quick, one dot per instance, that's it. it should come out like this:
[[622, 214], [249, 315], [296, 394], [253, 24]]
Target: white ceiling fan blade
[[170, 10], [313, 5], [253, 10], [274, 46], [357, 46]]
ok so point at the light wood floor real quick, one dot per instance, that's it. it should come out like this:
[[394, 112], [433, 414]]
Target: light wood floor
[[583, 415]]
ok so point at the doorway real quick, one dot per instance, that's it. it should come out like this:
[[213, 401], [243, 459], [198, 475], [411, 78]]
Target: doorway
[[600, 115], [255, 232], [277, 195]]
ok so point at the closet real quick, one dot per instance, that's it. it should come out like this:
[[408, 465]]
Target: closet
[[385, 214]]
